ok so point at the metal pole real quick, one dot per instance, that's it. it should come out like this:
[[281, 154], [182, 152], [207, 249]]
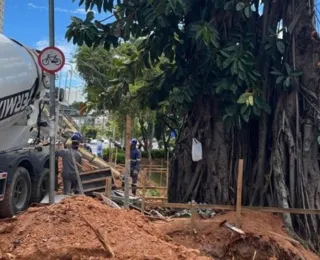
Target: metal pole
[[56, 128], [52, 110], [71, 72]]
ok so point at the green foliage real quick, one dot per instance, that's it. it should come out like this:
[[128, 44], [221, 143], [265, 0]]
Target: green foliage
[[185, 50], [285, 77], [89, 131], [121, 158], [155, 154], [153, 193]]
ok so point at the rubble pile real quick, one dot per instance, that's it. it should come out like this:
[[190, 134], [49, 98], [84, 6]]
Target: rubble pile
[[265, 237], [61, 231]]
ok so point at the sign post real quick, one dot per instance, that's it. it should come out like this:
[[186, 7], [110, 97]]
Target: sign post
[[51, 60]]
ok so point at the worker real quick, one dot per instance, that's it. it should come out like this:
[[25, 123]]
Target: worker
[[69, 174], [87, 147], [99, 149], [135, 160]]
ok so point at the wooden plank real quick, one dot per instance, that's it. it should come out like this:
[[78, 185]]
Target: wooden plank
[[94, 180], [95, 188], [188, 206], [94, 171], [233, 208], [155, 198], [108, 187], [239, 193], [147, 188]]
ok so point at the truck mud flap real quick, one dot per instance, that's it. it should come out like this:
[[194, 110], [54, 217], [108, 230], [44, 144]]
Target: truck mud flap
[[3, 183]]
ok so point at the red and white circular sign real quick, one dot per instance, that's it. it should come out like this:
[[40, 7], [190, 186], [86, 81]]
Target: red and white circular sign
[[51, 59]]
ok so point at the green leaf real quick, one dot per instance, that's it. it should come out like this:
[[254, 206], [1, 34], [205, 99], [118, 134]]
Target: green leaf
[[240, 6], [281, 47], [247, 12], [279, 80], [89, 16], [288, 69], [243, 98], [228, 5], [256, 111], [76, 20], [246, 115], [243, 109], [287, 83], [227, 63], [234, 68], [107, 5], [296, 73], [266, 108], [278, 73]]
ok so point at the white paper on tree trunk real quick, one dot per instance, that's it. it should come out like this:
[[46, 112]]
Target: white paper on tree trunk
[[196, 150]]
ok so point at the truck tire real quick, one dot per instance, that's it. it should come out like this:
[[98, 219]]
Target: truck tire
[[41, 187], [17, 195]]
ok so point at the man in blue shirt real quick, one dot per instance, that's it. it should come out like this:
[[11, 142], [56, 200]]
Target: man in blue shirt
[[99, 149], [135, 160]]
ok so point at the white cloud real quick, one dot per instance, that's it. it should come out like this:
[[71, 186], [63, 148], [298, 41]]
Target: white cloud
[[58, 9]]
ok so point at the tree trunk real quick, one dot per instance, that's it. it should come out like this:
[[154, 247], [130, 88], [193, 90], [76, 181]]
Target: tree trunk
[[280, 153], [206, 180]]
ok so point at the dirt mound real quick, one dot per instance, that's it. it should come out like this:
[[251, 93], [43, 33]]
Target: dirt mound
[[265, 238], [60, 232]]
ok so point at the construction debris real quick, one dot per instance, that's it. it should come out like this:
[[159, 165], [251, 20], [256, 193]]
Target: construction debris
[[232, 227], [224, 243]]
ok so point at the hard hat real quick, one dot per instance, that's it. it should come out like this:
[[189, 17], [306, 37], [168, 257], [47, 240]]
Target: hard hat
[[76, 136], [134, 141]]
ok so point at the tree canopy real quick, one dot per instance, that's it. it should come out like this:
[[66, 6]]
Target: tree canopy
[[244, 77]]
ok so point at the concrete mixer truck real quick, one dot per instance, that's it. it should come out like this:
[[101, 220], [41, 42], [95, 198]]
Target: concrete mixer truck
[[24, 168]]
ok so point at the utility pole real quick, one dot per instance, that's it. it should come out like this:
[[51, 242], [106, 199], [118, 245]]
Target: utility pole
[[1, 15], [52, 110]]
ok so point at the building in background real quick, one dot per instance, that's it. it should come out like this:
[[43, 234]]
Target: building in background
[[1, 15], [75, 95]]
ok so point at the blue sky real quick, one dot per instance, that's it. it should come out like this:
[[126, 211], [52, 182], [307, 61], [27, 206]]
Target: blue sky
[[27, 22]]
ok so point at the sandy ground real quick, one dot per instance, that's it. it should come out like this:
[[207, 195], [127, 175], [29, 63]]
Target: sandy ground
[[60, 231]]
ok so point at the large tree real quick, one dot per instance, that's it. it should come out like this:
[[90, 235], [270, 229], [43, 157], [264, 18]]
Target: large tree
[[246, 74], [113, 84]]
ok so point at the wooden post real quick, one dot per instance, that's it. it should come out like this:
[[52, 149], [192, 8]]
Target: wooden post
[[193, 216], [239, 193], [110, 152], [144, 183], [127, 170], [108, 187], [167, 184], [116, 158]]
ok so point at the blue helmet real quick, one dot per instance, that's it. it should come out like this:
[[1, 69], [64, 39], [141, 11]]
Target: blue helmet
[[134, 141], [76, 136]]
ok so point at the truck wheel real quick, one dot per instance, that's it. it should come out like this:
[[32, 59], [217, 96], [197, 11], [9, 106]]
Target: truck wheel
[[41, 187], [17, 196]]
